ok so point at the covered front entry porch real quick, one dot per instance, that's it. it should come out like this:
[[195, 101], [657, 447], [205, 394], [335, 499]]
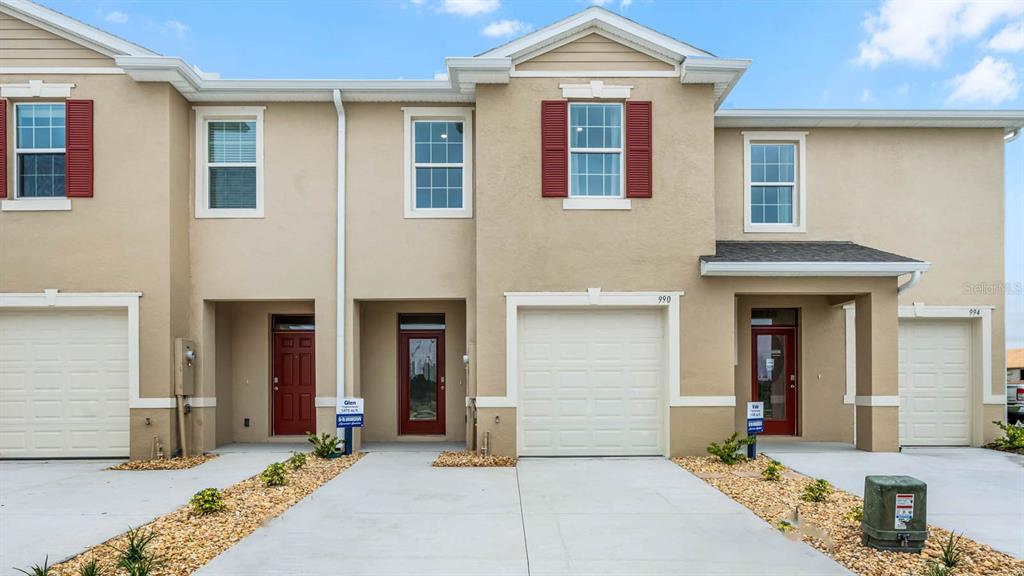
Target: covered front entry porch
[[793, 334]]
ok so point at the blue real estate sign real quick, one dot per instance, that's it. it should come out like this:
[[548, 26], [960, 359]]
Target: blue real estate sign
[[350, 413], [755, 418]]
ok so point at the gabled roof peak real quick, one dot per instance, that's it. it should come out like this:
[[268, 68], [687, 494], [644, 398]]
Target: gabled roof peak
[[72, 29], [597, 18]]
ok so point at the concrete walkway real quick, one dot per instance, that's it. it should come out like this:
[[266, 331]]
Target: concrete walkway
[[62, 507], [972, 490], [393, 514]]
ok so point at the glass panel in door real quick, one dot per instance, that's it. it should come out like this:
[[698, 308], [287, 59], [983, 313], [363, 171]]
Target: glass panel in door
[[422, 379], [772, 374]]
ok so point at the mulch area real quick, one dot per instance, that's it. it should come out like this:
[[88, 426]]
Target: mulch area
[[165, 463], [996, 446], [827, 527], [186, 542], [468, 459]]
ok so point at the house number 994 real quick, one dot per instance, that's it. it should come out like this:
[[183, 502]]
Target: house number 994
[[665, 299]]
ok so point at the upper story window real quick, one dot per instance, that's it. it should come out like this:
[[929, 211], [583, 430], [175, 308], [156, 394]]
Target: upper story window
[[774, 187], [438, 162], [229, 162], [40, 150], [595, 150]]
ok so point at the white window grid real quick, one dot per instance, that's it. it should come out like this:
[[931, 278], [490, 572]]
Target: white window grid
[[204, 116], [459, 165], [798, 185], [19, 151], [588, 150]]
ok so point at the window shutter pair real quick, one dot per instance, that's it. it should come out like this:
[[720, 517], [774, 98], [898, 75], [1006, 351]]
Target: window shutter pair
[[78, 148], [555, 149]]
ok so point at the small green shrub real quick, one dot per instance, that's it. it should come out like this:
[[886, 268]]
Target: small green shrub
[[134, 558], [1013, 436], [38, 570], [727, 452], [856, 514], [274, 475], [297, 460], [324, 445], [144, 567], [784, 526], [952, 553], [773, 471], [90, 568], [817, 491], [207, 501]]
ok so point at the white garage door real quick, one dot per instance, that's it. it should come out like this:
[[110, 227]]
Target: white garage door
[[591, 382], [63, 383], [935, 383]]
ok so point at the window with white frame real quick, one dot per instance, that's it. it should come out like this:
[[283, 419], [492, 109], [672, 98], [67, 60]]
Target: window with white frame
[[774, 195], [438, 153], [229, 162], [39, 149], [595, 150]]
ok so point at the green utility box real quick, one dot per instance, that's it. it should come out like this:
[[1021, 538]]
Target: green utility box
[[895, 513]]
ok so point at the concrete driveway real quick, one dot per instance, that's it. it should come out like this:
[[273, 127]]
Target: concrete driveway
[[62, 507], [392, 513], [972, 490]]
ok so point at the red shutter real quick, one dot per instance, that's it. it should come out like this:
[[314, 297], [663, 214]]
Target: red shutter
[[554, 148], [3, 148], [638, 149], [78, 122]]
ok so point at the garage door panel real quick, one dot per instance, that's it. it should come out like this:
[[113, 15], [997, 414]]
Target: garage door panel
[[607, 369], [935, 382], [64, 383]]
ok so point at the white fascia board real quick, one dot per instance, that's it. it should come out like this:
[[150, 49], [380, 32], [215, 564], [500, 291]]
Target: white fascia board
[[599, 18], [811, 268], [71, 29], [1008, 120], [724, 73]]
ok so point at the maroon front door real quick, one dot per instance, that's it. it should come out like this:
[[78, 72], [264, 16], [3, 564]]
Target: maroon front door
[[293, 383], [773, 371], [421, 382]]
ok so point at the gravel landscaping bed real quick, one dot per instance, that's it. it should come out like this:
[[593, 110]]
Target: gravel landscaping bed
[[828, 526], [1000, 448], [185, 541], [164, 463], [467, 459]]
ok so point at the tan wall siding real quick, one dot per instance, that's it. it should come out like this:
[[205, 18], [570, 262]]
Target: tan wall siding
[[932, 194], [593, 52], [22, 44], [378, 381]]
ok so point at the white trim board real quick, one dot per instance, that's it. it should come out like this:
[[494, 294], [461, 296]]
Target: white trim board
[[44, 70], [799, 200], [51, 298], [455, 113], [721, 268], [205, 115]]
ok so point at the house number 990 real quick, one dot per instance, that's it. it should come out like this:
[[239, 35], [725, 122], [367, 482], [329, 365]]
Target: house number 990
[[664, 299]]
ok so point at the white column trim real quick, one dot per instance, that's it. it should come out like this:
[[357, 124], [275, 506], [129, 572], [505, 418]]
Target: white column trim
[[340, 301], [851, 354], [202, 402], [700, 401], [878, 401], [53, 298], [326, 402]]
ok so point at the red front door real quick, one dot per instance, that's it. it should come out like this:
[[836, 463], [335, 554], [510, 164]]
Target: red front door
[[421, 382], [293, 383], [773, 374]]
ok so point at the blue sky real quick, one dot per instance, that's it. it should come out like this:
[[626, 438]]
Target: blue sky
[[850, 54]]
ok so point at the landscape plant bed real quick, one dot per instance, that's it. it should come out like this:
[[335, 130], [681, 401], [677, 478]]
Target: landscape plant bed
[[829, 527], [185, 541], [1000, 448], [469, 459], [164, 463]]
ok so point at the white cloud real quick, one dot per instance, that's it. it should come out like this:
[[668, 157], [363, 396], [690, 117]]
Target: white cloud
[[175, 28], [1009, 39], [469, 7], [865, 96], [902, 89], [115, 16], [923, 32], [600, 2], [503, 28], [625, 4], [991, 80]]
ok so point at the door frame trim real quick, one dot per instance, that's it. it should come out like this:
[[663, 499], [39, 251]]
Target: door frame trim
[[403, 392], [794, 362]]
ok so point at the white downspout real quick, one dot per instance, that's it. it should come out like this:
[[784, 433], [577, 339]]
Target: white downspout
[[340, 300], [915, 277]]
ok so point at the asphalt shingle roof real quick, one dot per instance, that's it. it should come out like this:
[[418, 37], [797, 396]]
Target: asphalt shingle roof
[[741, 251]]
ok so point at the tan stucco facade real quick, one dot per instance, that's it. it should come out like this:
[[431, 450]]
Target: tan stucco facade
[[928, 193]]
